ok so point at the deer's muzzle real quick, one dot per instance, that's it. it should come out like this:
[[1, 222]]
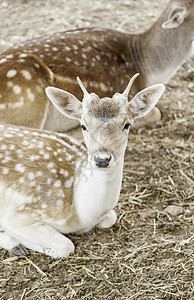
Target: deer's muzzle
[[102, 160]]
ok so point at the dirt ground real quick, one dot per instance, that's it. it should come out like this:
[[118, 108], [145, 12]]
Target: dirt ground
[[148, 254]]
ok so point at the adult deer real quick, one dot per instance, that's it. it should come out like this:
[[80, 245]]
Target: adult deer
[[51, 185], [103, 58]]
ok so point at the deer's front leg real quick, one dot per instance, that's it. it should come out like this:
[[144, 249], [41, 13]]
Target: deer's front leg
[[108, 220], [37, 235], [11, 244]]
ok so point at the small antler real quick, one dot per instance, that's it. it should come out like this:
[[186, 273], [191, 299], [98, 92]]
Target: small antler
[[82, 87], [126, 91]]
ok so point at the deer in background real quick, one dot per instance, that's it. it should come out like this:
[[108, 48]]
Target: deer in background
[[51, 185], [103, 58]]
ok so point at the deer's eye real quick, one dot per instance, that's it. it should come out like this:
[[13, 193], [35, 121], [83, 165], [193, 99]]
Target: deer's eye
[[83, 127], [127, 126]]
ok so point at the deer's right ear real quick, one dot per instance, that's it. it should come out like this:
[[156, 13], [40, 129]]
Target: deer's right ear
[[66, 103]]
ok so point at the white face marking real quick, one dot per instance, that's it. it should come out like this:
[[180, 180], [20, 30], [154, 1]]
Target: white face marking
[[26, 74], [55, 49], [17, 89], [68, 59], [67, 48], [11, 73]]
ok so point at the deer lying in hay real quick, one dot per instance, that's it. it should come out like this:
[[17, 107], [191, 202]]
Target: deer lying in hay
[[103, 58], [51, 185]]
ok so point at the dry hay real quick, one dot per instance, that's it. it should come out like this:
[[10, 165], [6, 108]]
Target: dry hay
[[148, 254]]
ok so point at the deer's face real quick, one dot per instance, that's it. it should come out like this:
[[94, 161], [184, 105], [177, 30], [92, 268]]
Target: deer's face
[[105, 122], [105, 125]]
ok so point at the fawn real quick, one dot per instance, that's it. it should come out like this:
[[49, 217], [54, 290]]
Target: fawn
[[51, 185]]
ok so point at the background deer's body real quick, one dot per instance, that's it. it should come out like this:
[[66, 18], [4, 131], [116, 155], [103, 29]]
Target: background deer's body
[[103, 58], [50, 184]]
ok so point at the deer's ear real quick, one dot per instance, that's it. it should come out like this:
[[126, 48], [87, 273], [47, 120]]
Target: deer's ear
[[65, 103], [145, 100], [176, 17]]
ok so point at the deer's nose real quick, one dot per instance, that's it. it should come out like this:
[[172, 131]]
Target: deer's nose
[[102, 160]]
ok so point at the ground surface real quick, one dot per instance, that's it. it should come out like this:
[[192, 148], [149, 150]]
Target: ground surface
[[148, 254]]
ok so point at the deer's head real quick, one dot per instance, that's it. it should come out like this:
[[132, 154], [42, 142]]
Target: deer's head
[[180, 15], [105, 122]]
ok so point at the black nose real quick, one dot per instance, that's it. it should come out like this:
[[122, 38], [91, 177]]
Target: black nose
[[102, 162]]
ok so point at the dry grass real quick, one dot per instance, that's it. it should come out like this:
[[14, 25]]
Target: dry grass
[[148, 254]]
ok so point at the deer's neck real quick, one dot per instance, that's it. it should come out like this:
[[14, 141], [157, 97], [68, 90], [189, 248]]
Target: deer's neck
[[97, 192], [163, 51]]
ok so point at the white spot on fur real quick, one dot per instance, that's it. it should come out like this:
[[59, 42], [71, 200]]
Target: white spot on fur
[[69, 182], [64, 172], [39, 173], [11, 73], [59, 203], [44, 205], [3, 60], [9, 83], [30, 95], [26, 74], [5, 171], [23, 55], [46, 156], [17, 89], [3, 147], [57, 183], [50, 165], [20, 168]]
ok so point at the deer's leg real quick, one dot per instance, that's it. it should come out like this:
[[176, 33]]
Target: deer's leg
[[37, 235], [108, 220], [11, 244], [149, 120]]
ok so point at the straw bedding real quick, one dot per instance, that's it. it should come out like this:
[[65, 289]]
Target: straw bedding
[[148, 254]]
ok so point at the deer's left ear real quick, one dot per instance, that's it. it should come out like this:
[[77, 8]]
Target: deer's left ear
[[145, 100], [176, 17], [65, 103]]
